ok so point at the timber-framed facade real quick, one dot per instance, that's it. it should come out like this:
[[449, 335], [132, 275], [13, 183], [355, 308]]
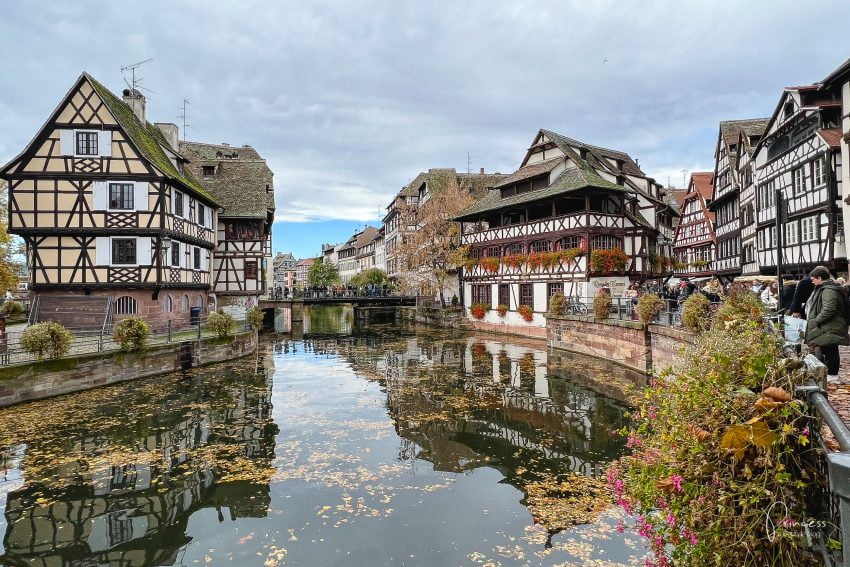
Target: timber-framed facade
[[573, 217], [106, 207], [694, 242], [243, 184], [800, 156]]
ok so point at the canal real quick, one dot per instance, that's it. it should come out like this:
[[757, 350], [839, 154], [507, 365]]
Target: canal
[[381, 446]]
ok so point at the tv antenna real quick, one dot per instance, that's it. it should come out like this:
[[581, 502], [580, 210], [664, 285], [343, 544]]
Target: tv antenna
[[133, 83], [183, 117], [468, 163], [685, 179]]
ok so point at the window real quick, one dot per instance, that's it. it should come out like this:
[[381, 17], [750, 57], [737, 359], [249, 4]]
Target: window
[[492, 252], [481, 293], [568, 242], [175, 253], [505, 294], [515, 248], [185, 303], [167, 304], [552, 289], [199, 302], [86, 143], [606, 242], [125, 305], [201, 215], [808, 229], [208, 170], [818, 172], [197, 258], [526, 294], [121, 196], [540, 246], [178, 203], [123, 250], [791, 235], [251, 270], [798, 181]]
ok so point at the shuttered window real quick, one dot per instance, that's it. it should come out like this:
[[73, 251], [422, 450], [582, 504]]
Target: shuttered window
[[123, 250], [86, 143], [121, 196]]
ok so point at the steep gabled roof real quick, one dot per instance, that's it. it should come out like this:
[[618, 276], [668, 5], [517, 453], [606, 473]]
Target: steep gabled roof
[[239, 182], [563, 142], [832, 136], [702, 181], [729, 129]]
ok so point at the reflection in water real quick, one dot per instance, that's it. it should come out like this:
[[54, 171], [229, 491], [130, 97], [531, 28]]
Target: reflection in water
[[328, 319], [389, 443]]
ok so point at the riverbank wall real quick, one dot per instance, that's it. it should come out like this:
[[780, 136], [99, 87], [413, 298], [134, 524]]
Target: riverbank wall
[[49, 378], [647, 348]]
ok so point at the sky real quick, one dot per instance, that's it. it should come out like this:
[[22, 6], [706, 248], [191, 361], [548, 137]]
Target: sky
[[349, 101]]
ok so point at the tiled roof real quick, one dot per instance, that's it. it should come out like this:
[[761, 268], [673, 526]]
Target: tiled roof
[[837, 73], [832, 136], [305, 262], [366, 236], [569, 181], [530, 171], [147, 138], [752, 127], [240, 180], [703, 183], [629, 165]]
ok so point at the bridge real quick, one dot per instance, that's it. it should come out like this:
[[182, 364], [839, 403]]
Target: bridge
[[325, 299], [367, 308]]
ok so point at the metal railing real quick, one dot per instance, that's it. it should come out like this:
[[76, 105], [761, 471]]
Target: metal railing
[[830, 505], [333, 293], [12, 353], [624, 309]]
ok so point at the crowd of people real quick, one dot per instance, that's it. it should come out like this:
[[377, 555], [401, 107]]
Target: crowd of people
[[335, 291]]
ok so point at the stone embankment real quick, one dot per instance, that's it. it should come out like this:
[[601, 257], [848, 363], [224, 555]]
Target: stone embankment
[[54, 377]]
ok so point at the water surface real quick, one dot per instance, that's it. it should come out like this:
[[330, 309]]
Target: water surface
[[387, 447]]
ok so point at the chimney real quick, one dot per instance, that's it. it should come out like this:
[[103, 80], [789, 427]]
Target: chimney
[[482, 171], [168, 130], [135, 100]]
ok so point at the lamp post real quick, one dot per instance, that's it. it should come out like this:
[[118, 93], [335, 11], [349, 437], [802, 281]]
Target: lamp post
[[164, 245]]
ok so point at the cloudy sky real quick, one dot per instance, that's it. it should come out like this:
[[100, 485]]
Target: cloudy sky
[[348, 101]]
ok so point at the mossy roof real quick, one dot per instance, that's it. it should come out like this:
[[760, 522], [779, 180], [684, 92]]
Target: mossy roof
[[148, 139]]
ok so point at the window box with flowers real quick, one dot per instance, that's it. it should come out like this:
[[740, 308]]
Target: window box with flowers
[[526, 312], [490, 265], [700, 263], [608, 261], [479, 310], [502, 309], [514, 260], [570, 254]]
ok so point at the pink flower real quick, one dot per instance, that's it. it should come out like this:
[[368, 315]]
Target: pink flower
[[690, 536], [671, 519], [620, 527], [805, 431], [677, 482], [651, 412], [633, 442]]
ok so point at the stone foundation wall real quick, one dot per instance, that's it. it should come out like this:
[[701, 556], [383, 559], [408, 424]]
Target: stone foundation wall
[[667, 345], [440, 317], [522, 330], [624, 342], [54, 377]]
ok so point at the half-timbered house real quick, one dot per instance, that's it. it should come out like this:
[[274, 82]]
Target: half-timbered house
[[572, 218], [746, 176], [242, 183], [107, 208], [694, 241], [800, 157], [726, 204], [838, 83]]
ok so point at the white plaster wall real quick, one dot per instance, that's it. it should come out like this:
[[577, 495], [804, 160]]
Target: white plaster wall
[[540, 297]]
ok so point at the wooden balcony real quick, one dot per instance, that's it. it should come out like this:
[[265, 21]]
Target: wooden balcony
[[541, 227]]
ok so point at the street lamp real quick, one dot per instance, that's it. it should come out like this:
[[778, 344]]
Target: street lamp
[[164, 245]]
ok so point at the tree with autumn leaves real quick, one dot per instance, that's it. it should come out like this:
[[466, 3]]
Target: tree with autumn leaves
[[10, 247], [429, 250]]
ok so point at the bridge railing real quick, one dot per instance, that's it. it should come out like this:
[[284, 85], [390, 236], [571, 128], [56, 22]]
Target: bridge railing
[[333, 293]]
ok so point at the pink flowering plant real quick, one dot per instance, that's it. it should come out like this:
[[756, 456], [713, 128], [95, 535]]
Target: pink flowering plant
[[718, 472]]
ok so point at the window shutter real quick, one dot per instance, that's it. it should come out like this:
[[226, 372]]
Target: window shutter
[[143, 250], [140, 195], [98, 189], [104, 143], [102, 251], [66, 142]]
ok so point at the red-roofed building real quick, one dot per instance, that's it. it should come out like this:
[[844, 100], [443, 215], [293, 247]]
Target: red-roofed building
[[302, 270], [694, 241]]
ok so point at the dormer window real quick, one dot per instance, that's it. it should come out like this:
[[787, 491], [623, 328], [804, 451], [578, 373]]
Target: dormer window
[[208, 170], [789, 109]]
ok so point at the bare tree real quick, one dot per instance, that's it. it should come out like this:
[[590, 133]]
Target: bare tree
[[429, 250]]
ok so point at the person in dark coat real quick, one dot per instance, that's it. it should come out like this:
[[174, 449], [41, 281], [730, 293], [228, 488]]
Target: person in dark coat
[[686, 291], [802, 292], [787, 294], [826, 327]]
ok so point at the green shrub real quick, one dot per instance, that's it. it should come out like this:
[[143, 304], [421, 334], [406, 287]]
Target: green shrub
[[696, 312], [557, 305], [454, 301], [255, 318], [221, 324], [131, 333], [602, 305], [740, 307], [50, 339], [648, 307], [719, 446], [12, 309]]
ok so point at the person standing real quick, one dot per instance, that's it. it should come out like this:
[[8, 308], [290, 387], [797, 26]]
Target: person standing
[[826, 327], [787, 295], [802, 293]]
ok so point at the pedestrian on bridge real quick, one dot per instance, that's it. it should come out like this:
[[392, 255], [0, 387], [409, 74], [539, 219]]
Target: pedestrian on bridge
[[826, 327]]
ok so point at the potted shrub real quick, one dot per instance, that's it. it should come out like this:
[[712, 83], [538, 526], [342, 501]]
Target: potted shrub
[[221, 324], [526, 312], [648, 307], [12, 309], [51, 339], [602, 304], [557, 305], [696, 312], [478, 310], [255, 318], [502, 309], [131, 333]]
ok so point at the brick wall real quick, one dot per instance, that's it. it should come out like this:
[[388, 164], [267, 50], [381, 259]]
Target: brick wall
[[667, 345], [54, 377], [624, 342]]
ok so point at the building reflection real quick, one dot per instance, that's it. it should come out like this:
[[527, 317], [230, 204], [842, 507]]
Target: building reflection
[[135, 514]]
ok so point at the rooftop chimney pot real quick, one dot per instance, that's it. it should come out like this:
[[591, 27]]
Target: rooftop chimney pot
[[136, 101]]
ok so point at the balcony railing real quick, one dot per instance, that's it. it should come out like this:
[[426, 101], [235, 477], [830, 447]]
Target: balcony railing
[[477, 233]]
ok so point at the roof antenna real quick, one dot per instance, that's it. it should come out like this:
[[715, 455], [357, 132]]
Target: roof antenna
[[134, 82], [183, 117], [468, 163], [685, 179]]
